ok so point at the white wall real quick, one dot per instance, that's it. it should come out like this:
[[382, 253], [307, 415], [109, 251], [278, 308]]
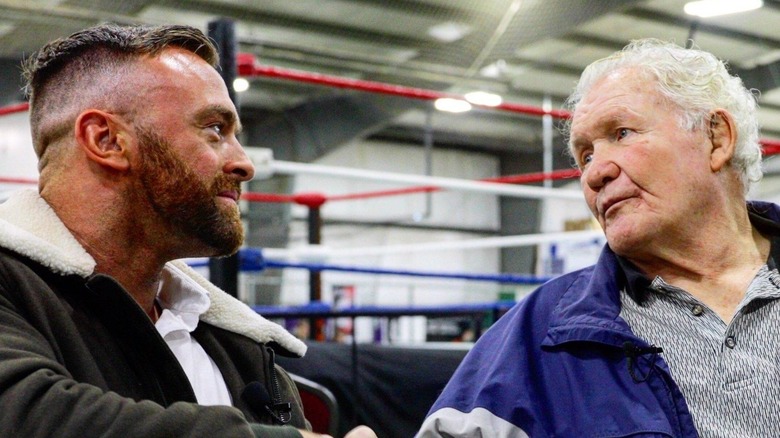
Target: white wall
[[449, 209], [564, 257], [17, 158]]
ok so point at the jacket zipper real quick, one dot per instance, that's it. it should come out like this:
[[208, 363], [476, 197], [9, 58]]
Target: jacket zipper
[[282, 411]]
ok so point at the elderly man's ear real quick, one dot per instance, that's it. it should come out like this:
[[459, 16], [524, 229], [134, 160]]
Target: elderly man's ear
[[104, 138], [723, 137]]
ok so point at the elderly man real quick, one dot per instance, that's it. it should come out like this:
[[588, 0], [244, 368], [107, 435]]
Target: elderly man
[[101, 332], [674, 331]]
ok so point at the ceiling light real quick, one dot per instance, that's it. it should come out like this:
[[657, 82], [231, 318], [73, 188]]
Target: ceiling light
[[240, 85], [494, 70], [449, 31], [452, 105], [713, 8], [483, 98]]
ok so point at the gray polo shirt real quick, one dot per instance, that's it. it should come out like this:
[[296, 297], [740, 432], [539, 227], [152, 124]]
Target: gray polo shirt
[[729, 374]]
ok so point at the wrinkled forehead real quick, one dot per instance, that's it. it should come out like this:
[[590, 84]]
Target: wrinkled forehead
[[618, 88], [636, 79], [620, 97]]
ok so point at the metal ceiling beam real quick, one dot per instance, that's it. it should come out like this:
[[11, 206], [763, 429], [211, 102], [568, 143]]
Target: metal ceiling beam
[[549, 66], [763, 77], [448, 12], [590, 40], [29, 11], [538, 21], [661, 17], [454, 140], [254, 16]]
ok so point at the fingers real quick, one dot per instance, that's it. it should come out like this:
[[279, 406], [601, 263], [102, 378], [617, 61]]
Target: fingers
[[361, 432], [358, 432], [307, 434]]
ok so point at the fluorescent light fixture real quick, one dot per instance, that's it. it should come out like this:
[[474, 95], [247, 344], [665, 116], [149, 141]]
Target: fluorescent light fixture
[[714, 8], [452, 105], [240, 85], [449, 31], [483, 98], [494, 70]]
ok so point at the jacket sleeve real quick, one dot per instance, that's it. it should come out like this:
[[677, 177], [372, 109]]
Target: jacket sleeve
[[40, 398], [263, 431], [487, 395], [477, 423], [476, 403]]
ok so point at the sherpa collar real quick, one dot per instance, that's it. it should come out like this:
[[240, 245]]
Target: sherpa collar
[[29, 226]]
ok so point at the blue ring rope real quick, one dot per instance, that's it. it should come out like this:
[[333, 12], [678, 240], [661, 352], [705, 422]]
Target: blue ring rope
[[497, 278], [326, 310], [252, 260]]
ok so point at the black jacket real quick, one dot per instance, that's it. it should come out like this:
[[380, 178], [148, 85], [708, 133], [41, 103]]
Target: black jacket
[[79, 357]]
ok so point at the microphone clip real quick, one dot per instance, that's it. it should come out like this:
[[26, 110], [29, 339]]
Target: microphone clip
[[258, 399], [280, 412], [633, 353]]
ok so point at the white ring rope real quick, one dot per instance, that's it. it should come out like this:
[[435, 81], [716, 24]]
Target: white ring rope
[[320, 252], [293, 168]]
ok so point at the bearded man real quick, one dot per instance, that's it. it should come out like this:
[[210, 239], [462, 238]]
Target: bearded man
[[102, 332]]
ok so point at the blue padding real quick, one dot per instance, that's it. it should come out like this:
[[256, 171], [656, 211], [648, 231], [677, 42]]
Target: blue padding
[[252, 259]]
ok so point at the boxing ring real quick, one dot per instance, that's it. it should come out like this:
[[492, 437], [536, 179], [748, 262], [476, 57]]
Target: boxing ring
[[316, 258], [364, 376]]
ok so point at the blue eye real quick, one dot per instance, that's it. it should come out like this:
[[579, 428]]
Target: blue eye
[[586, 159], [622, 133]]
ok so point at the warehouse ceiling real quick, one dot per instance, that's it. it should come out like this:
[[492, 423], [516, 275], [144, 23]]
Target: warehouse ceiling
[[527, 51]]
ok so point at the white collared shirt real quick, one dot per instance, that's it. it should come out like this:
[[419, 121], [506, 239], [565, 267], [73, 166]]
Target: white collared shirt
[[183, 301]]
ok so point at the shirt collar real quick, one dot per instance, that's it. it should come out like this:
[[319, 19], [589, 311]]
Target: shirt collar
[[182, 296], [637, 284]]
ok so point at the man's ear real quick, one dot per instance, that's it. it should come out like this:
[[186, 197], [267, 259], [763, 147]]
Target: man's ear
[[723, 137], [104, 139]]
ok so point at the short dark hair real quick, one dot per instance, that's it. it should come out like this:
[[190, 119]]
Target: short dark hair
[[56, 73]]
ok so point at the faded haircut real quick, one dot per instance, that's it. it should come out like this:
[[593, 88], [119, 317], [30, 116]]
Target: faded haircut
[[88, 67]]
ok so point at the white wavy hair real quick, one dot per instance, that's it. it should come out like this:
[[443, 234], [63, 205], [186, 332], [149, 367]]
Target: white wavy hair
[[696, 82]]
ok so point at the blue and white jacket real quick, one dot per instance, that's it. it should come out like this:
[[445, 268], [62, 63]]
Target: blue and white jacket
[[562, 363]]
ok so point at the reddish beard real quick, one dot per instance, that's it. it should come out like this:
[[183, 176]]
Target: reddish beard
[[188, 204]]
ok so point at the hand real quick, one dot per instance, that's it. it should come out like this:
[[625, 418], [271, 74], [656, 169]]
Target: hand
[[361, 432], [358, 432], [307, 434]]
